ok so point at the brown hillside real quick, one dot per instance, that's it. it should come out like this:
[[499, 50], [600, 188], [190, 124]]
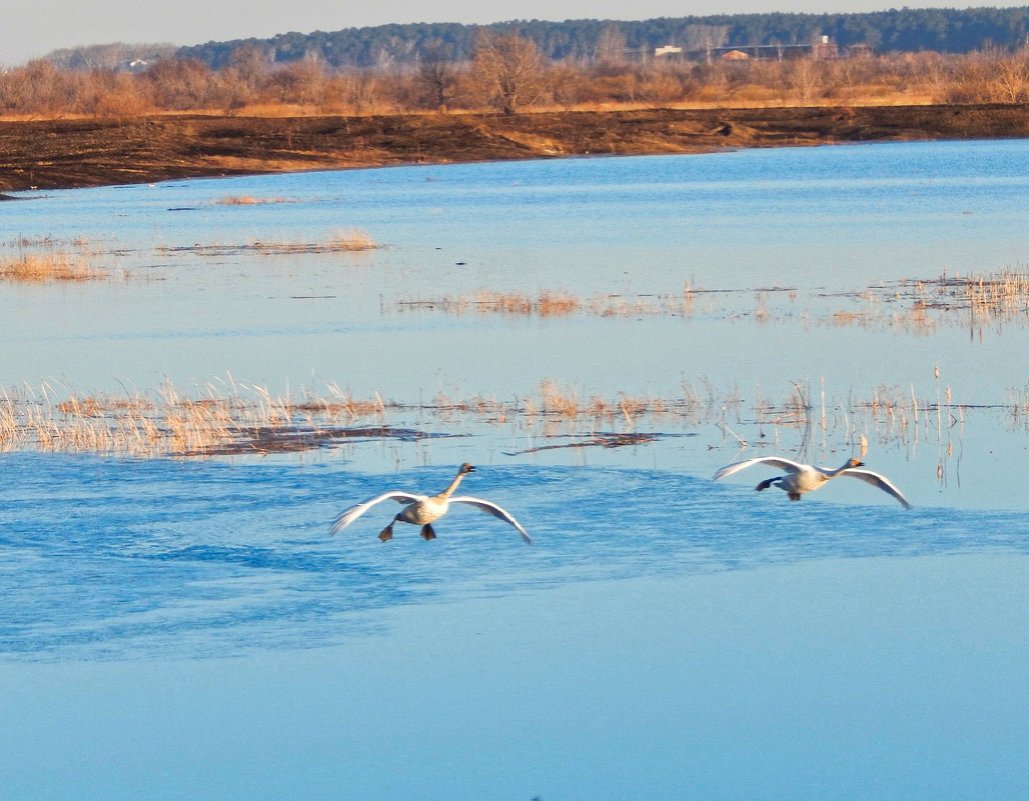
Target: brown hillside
[[73, 153]]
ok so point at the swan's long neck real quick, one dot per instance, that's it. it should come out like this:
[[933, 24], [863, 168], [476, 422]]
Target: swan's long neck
[[453, 485], [840, 469]]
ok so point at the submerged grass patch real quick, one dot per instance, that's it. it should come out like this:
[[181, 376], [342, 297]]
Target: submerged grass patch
[[556, 303], [237, 418], [916, 306], [46, 259], [43, 268], [349, 241]]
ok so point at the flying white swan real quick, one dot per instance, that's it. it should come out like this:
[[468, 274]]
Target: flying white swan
[[801, 478], [424, 510]]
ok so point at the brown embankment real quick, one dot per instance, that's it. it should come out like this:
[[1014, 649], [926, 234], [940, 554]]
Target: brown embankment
[[53, 154]]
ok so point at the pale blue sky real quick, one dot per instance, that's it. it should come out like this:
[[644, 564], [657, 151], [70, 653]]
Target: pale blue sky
[[35, 27]]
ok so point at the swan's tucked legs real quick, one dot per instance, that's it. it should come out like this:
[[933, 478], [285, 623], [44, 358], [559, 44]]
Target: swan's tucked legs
[[428, 532]]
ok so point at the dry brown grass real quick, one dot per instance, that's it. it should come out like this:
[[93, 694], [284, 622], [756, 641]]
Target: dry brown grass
[[231, 418], [918, 306], [1001, 294], [343, 242], [32, 268], [544, 304], [556, 303], [350, 241]]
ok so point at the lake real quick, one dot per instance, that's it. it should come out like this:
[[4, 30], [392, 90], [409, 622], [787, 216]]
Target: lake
[[597, 336]]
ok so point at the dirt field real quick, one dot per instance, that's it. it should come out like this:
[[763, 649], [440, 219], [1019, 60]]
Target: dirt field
[[55, 154]]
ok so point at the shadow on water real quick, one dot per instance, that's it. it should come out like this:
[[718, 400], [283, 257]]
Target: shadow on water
[[105, 558]]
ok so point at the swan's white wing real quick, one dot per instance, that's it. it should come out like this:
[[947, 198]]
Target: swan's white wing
[[351, 513], [876, 480], [493, 509], [775, 461]]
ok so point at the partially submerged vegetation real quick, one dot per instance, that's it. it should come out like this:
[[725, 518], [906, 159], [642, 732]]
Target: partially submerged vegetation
[[916, 305], [229, 418], [36, 269], [353, 241], [44, 260]]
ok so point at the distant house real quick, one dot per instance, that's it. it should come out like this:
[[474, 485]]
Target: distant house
[[735, 55], [667, 50]]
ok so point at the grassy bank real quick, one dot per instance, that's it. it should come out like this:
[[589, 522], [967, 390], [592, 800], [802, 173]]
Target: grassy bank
[[55, 154]]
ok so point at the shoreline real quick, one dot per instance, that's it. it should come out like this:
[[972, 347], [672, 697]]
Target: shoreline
[[67, 154]]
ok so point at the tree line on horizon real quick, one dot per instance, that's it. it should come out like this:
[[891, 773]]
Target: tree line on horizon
[[507, 71], [940, 30], [943, 30]]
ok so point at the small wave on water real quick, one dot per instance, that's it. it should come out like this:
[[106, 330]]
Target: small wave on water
[[121, 559]]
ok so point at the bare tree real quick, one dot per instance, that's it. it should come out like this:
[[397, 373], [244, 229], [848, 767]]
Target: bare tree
[[245, 76], [804, 78], [1011, 84], [301, 83], [393, 52], [509, 68], [437, 75], [180, 84], [611, 46], [705, 38]]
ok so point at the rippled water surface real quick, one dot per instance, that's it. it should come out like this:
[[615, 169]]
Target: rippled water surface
[[186, 628]]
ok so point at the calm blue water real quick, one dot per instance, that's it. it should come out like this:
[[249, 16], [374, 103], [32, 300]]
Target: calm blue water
[[175, 629]]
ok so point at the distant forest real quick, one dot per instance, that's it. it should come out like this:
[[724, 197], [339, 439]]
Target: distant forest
[[904, 30], [906, 56]]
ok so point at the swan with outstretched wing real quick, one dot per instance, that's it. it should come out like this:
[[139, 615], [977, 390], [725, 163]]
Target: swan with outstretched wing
[[424, 510]]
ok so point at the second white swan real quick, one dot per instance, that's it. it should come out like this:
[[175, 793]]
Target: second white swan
[[801, 478]]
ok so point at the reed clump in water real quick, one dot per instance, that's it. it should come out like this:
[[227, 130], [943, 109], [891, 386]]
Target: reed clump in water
[[343, 242], [556, 303], [916, 306], [33, 268], [240, 418], [544, 304], [350, 241], [1002, 294]]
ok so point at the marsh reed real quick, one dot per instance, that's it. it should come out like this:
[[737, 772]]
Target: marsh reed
[[229, 417], [40, 268], [555, 303], [346, 241], [46, 259], [916, 306]]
